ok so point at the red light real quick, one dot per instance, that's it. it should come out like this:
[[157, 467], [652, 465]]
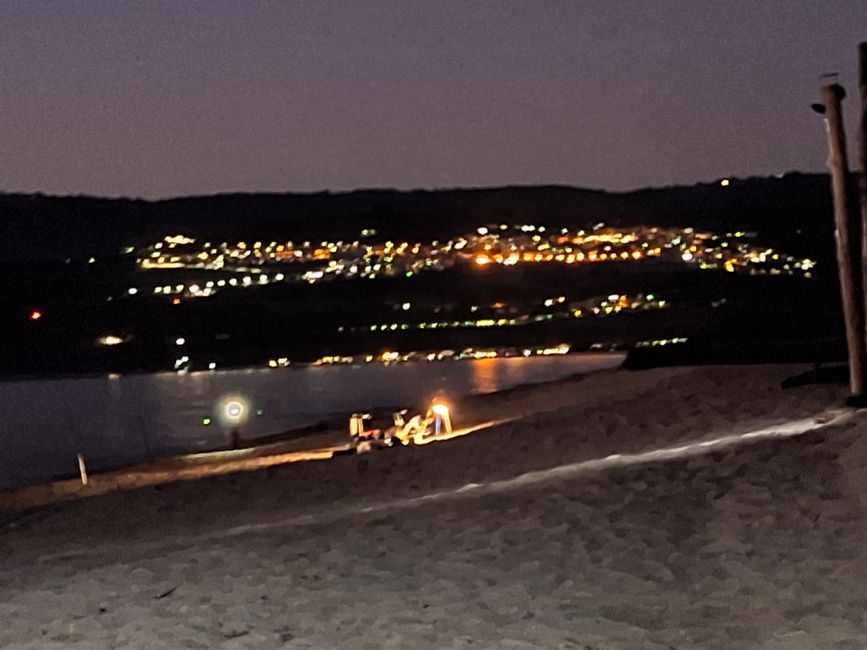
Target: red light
[[35, 314], [176, 301]]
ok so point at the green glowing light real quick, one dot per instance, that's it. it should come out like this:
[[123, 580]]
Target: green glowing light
[[206, 422]]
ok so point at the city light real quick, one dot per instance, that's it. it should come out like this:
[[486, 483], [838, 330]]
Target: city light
[[264, 263], [502, 315], [391, 357], [111, 340]]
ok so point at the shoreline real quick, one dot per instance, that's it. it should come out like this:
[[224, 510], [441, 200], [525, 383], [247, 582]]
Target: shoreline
[[296, 445], [321, 441]]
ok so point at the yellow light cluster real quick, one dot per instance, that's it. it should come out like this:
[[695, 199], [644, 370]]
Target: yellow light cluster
[[492, 244], [391, 356]]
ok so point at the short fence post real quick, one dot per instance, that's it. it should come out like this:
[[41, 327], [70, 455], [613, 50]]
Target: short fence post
[[82, 468]]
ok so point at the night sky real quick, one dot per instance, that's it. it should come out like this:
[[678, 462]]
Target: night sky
[[159, 99]]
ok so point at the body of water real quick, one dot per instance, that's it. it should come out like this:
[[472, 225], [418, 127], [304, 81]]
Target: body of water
[[116, 421]]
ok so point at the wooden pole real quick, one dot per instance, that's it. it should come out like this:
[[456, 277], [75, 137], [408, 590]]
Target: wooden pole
[[848, 238], [862, 175]]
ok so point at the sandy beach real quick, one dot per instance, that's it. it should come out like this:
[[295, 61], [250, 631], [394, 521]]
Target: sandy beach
[[672, 508]]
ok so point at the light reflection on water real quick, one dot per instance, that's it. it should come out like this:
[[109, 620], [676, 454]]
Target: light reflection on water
[[485, 379], [114, 421]]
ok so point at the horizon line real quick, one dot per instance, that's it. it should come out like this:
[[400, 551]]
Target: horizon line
[[397, 190]]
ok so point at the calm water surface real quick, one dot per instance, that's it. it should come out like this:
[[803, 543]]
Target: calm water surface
[[115, 421]]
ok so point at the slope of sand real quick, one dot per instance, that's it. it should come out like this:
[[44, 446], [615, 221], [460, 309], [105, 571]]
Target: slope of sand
[[566, 528]]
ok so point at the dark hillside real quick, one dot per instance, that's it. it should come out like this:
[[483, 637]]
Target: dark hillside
[[792, 212]]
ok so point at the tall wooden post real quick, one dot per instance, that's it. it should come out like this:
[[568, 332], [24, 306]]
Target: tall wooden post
[[862, 155], [848, 237]]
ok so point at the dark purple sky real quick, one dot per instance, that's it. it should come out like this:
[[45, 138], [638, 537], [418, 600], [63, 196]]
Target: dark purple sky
[[166, 98]]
